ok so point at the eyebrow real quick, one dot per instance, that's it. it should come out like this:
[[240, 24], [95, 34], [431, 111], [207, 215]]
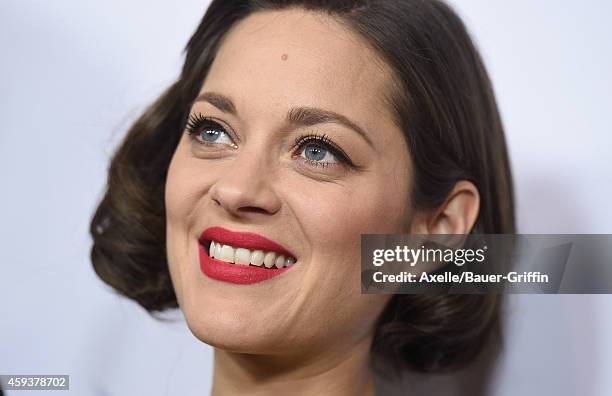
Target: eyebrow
[[297, 116]]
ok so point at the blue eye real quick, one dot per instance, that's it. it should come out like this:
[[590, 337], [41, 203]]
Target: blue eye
[[208, 132], [210, 135], [319, 150]]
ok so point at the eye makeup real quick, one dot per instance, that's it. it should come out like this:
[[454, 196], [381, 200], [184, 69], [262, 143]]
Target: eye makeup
[[321, 142], [208, 132]]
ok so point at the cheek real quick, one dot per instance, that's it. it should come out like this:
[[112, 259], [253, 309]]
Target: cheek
[[184, 184], [333, 228], [374, 202], [372, 206], [182, 192], [337, 226]]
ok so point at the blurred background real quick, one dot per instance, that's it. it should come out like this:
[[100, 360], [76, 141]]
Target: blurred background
[[74, 75]]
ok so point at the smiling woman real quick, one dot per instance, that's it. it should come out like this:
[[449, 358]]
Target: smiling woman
[[295, 127]]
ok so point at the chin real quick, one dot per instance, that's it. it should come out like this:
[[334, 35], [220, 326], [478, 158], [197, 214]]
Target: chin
[[234, 331]]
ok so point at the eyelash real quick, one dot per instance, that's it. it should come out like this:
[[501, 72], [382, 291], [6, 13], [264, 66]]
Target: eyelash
[[195, 124], [326, 142], [197, 121]]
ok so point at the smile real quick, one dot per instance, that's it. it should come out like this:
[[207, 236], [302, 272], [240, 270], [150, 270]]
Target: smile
[[241, 257]]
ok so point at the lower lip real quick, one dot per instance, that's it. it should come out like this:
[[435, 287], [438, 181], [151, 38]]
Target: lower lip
[[235, 273]]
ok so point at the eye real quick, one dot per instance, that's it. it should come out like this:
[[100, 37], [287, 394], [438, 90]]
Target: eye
[[318, 150], [206, 131]]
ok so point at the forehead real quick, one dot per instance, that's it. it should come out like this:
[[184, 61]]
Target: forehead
[[298, 57]]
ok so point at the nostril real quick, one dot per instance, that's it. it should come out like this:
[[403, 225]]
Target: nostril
[[253, 209]]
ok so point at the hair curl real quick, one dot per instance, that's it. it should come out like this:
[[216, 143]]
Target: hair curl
[[445, 105]]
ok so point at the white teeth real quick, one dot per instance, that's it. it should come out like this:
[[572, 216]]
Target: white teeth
[[269, 259], [257, 258], [242, 256], [280, 261], [227, 254]]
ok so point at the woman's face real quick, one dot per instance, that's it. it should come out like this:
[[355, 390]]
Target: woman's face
[[256, 163]]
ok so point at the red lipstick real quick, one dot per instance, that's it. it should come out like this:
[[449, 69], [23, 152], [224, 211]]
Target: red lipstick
[[236, 273]]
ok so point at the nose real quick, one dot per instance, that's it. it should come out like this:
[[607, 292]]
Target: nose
[[246, 186]]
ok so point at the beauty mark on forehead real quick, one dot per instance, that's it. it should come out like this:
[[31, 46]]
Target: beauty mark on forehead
[[284, 57]]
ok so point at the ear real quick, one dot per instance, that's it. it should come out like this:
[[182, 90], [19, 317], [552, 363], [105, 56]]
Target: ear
[[457, 215]]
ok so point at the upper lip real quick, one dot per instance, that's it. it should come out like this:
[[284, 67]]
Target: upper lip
[[247, 240]]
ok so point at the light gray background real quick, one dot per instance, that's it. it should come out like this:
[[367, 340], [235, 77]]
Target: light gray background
[[73, 75]]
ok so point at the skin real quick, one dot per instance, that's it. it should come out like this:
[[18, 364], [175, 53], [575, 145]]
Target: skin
[[309, 329]]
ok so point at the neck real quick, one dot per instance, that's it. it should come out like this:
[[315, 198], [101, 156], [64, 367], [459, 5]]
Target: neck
[[327, 373]]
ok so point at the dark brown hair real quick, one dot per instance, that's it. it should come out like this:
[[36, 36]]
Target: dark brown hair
[[444, 104]]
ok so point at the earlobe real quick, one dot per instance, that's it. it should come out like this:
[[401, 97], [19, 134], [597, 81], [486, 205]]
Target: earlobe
[[457, 215]]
